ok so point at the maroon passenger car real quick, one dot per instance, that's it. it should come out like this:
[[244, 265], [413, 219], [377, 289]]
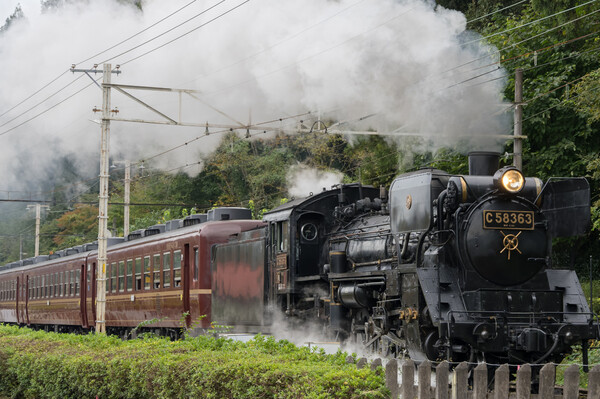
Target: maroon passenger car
[[157, 276]]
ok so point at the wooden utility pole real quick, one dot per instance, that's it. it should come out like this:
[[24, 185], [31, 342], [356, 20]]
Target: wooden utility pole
[[518, 125]]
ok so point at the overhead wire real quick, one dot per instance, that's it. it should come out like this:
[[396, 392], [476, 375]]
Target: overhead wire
[[497, 11], [529, 23], [138, 33], [186, 33], [34, 93], [42, 101], [522, 41], [164, 33], [46, 110], [89, 58]]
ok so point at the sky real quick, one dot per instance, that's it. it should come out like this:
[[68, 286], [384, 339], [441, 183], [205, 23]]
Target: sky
[[402, 63]]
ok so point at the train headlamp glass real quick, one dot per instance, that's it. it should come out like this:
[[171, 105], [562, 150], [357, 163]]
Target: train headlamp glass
[[509, 179]]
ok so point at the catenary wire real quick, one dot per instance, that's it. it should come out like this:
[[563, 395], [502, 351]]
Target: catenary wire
[[186, 33], [139, 33], [164, 33]]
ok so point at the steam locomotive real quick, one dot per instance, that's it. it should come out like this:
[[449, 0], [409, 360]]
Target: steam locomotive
[[447, 267], [444, 267]]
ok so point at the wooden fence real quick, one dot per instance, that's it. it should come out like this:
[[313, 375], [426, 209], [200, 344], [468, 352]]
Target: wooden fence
[[459, 387]]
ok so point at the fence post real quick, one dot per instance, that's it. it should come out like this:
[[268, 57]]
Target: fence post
[[480, 381], [524, 382], [391, 378], [571, 388], [501, 382], [424, 387], [594, 382], [459, 381], [547, 380], [408, 379], [362, 362], [441, 380], [376, 363]]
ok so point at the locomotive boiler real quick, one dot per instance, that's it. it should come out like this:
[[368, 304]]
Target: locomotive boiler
[[447, 267]]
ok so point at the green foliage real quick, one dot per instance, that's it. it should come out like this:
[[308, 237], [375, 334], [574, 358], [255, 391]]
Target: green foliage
[[47, 365], [577, 358]]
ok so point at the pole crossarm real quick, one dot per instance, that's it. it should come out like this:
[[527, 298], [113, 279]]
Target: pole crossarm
[[134, 98]]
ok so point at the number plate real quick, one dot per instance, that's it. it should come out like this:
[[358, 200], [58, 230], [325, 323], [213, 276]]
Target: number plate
[[509, 220]]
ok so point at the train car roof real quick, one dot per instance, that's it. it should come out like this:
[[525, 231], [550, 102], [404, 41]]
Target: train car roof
[[125, 244]]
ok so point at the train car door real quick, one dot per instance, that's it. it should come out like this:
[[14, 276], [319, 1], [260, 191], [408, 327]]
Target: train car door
[[26, 293], [82, 297], [18, 302], [187, 278], [90, 293]]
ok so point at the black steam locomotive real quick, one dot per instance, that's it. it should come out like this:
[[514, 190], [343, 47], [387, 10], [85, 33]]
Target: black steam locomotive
[[447, 267]]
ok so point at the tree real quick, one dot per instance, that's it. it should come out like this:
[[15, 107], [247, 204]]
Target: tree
[[15, 16]]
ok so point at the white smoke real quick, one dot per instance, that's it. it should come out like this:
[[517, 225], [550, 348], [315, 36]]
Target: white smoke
[[265, 61], [304, 181]]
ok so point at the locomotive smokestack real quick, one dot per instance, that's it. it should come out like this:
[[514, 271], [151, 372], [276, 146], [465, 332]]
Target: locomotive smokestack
[[483, 163]]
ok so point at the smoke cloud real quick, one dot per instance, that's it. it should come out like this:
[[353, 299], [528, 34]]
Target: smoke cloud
[[402, 60]]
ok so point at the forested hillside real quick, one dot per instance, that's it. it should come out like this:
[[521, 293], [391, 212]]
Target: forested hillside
[[556, 44]]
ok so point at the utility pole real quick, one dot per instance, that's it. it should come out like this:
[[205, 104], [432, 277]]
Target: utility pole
[[103, 206], [103, 194], [38, 209], [518, 125], [127, 195], [127, 199]]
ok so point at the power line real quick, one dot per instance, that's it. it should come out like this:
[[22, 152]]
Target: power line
[[187, 33], [46, 110], [497, 11], [139, 33], [521, 42], [41, 102], [164, 33], [529, 23], [36, 92]]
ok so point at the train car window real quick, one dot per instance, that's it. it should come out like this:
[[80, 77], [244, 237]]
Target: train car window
[[121, 275], [166, 270], [138, 274], [196, 263], [156, 266], [89, 278], [129, 274], [60, 283], [177, 268], [70, 282], [113, 277], [147, 275], [283, 235], [77, 280]]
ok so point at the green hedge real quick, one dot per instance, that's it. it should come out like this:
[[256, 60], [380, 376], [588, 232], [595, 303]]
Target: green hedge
[[35, 364]]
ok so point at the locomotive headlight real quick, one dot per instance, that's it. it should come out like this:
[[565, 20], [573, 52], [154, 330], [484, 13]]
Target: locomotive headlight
[[509, 179]]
